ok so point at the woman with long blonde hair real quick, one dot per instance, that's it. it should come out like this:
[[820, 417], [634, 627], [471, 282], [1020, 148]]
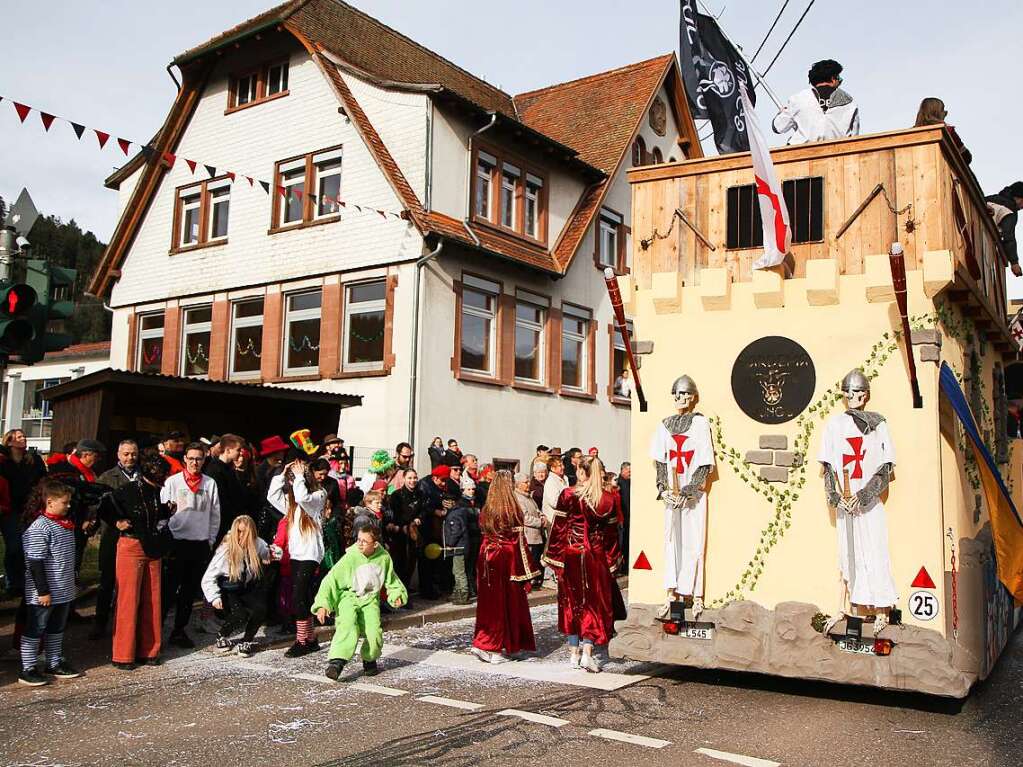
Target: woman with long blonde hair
[[503, 572], [296, 493], [932, 111], [582, 548], [235, 582]]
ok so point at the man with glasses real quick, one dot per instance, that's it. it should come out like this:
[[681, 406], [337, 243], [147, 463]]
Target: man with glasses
[[823, 111], [403, 456], [194, 523]]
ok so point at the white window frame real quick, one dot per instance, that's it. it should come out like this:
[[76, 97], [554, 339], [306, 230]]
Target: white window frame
[[190, 199], [507, 169], [244, 322], [610, 230], [299, 180], [333, 159], [539, 327], [585, 316], [618, 344], [147, 335], [191, 328], [223, 188], [485, 181], [533, 193], [252, 92], [361, 307], [297, 316], [493, 290], [283, 82]]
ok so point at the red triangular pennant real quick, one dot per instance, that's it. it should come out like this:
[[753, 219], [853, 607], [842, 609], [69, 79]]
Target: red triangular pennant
[[169, 158], [642, 563], [124, 144], [22, 110], [297, 193], [282, 191], [191, 165], [923, 580], [249, 179], [47, 120], [382, 214], [230, 175], [101, 137]]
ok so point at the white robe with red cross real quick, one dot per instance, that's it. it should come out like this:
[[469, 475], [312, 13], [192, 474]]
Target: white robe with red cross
[[685, 529], [862, 539]]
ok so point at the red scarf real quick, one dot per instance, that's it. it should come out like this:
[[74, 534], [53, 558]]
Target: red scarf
[[85, 471], [64, 522], [194, 481]]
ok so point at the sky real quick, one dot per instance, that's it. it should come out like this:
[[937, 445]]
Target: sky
[[103, 64]]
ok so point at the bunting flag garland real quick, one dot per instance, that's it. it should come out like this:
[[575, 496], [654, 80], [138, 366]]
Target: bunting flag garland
[[149, 152]]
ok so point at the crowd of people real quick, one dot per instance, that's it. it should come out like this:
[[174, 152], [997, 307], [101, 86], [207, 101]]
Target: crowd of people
[[282, 534]]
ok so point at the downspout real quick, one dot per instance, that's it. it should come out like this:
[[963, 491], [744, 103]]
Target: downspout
[[468, 178], [172, 77], [414, 378]]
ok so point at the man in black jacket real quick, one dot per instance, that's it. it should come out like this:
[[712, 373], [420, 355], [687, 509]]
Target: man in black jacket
[[1004, 208], [221, 470], [124, 473]]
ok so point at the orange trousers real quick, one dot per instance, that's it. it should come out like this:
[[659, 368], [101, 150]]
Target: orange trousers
[[137, 624]]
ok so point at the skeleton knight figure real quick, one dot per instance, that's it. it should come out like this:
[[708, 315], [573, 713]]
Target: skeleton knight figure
[[684, 455], [857, 455]]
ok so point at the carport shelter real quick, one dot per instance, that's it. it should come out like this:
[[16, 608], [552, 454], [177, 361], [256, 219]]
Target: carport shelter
[[111, 405]]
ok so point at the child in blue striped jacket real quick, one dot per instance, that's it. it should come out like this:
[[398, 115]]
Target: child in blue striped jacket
[[49, 543]]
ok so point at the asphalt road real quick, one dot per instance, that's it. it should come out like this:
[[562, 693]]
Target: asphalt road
[[434, 705]]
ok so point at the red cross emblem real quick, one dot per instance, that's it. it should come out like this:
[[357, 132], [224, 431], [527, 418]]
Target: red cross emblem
[[679, 456], [1017, 331], [858, 454]]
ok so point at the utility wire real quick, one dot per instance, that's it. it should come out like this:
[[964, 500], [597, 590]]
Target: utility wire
[[773, 25], [778, 54]]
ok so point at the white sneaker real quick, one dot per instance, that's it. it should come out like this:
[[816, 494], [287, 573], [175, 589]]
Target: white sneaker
[[589, 663], [574, 658], [487, 657], [664, 614]]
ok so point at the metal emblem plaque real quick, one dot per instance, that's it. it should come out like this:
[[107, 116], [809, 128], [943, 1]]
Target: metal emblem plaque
[[773, 379]]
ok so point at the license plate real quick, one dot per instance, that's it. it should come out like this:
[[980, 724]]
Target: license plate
[[693, 632], [852, 645]]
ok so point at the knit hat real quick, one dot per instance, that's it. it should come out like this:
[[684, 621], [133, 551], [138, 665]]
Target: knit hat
[[380, 462], [442, 472]]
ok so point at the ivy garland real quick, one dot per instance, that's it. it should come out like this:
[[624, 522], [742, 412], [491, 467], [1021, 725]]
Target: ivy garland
[[782, 498]]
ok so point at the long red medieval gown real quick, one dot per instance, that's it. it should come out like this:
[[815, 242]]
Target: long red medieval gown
[[583, 549], [503, 572]]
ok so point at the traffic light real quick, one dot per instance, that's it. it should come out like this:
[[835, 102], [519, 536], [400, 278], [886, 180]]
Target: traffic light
[[52, 285], [17, 302]]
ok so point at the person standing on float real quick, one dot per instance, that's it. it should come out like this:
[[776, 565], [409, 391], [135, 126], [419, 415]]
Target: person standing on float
[[684, 456], [582, 548], [858, 456], [503, 572]]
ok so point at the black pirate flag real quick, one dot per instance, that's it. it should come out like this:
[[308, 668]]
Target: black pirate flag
[[712, 70]]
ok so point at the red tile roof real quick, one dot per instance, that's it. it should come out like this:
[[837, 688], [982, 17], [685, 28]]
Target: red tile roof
[[490, 239]]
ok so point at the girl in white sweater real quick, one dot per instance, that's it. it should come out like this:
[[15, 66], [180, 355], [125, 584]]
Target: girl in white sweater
[[297, 494]]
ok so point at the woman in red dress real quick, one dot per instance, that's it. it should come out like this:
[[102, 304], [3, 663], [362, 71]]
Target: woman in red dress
[[503, 572], [582, 547]]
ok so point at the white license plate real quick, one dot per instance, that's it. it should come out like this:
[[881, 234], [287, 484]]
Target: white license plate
[[852, 645], [691, 632]]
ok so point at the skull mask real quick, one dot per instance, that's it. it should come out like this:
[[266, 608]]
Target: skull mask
[[685, 393], [856, 389]]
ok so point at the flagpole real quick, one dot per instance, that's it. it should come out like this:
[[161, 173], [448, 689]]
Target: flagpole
[[739, 50]]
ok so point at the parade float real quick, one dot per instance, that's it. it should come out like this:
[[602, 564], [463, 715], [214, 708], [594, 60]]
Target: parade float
[[859, 513]]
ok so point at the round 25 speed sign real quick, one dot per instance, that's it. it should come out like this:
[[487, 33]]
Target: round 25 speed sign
[[923, 605]]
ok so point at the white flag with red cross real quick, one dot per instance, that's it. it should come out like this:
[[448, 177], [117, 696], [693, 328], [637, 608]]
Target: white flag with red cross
[[1016, 328], [774, 213]]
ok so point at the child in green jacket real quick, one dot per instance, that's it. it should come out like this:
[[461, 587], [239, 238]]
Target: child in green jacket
[[351, 592]]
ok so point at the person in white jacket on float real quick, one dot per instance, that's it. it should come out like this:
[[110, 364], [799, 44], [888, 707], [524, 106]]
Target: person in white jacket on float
[[821, 112]]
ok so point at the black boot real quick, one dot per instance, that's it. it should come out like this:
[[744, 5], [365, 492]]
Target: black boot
[[334, 669]]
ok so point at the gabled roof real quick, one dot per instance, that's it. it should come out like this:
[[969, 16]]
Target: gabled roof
[[591, 121], [368, 44], [600, 116]]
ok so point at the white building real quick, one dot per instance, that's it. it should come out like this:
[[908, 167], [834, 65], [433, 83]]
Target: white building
[[479, 313], [22, 406]]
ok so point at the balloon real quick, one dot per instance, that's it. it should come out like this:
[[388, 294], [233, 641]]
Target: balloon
[[432, 550]]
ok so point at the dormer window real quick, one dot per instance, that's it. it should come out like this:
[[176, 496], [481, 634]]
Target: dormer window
[[509, 195], [267, 81]]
